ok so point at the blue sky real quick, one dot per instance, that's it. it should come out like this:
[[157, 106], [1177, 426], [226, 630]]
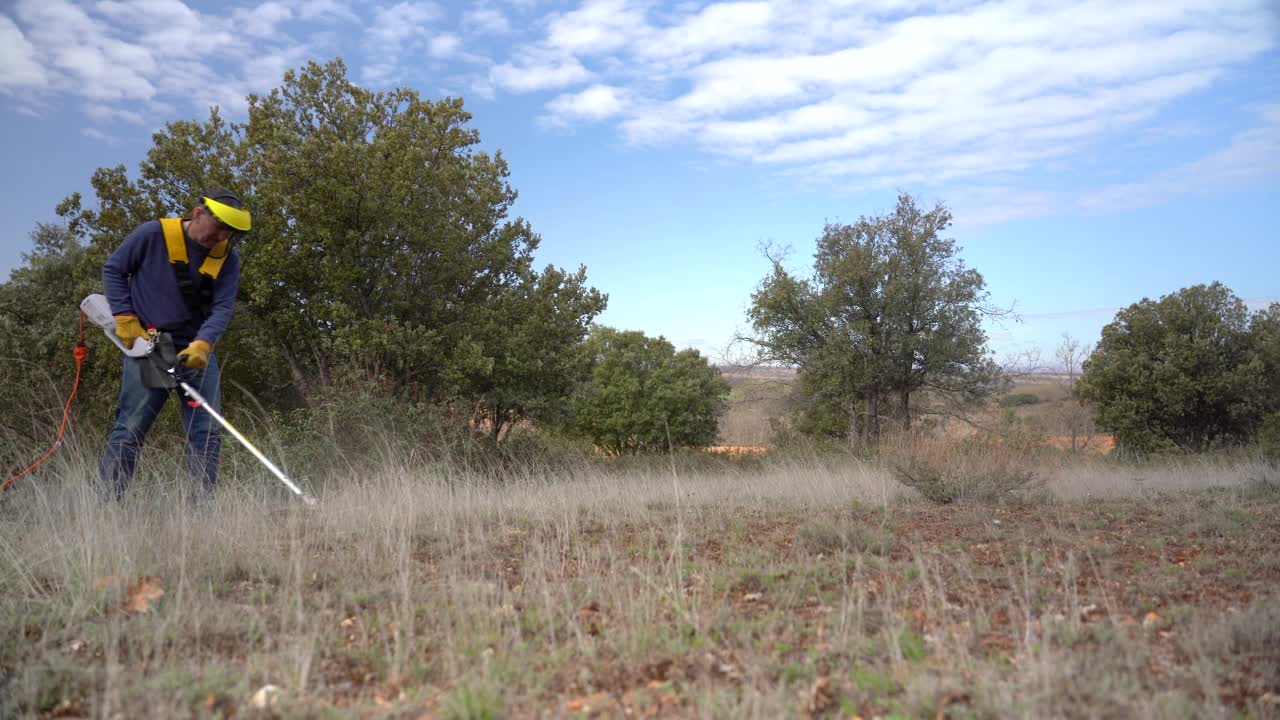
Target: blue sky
[[1093, 153]]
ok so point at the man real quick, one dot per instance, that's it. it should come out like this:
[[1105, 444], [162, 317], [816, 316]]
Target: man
[[177, 276]]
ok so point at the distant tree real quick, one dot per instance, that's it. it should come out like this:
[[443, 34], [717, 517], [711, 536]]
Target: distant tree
[[643, 396], [1014, 400], [1075, 416], [890, 311], [1183, 373]]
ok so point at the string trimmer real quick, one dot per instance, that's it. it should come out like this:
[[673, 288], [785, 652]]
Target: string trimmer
[[98, 311]]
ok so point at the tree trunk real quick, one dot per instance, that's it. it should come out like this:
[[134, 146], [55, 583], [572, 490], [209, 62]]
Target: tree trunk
[[872, 425], [854, 439]]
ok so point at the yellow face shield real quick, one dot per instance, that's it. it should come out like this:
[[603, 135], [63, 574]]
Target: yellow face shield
[[232, 217]]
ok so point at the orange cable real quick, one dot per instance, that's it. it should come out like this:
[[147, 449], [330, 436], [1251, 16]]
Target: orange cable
[[80, 353]]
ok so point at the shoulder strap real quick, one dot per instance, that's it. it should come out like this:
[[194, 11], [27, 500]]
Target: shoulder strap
[[198, 299], [212, 264], [176, 244], [173, 240]]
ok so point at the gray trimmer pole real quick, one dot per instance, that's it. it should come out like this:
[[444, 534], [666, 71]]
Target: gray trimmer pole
[[199, 400]]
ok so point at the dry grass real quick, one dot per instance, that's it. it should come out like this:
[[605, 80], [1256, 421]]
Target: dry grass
[[784, 588]]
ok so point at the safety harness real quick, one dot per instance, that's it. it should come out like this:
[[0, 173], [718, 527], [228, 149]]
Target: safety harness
[[197, 296]]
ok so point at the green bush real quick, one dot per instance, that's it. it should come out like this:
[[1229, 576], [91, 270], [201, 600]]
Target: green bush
[[643, 396], [1187, 373], [1019, 399], [1268, 438], [969, 481]]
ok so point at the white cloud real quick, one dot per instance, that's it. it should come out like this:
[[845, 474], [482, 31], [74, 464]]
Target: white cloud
[[124, 51], [486, 20], [380, 74], [996, 203], [22, 69], [125, 59], [261, 21], [598, 26], [443, 46], [326, 10], [595, 103], [97, 134], [394, 29], [539, 73], [850, 94], [716, 27], [265, 70], [105, 113], [887, 91], [99, 77], [393, 25], [172, 16], [1251, 155]]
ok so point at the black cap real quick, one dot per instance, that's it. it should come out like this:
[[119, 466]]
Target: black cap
[[224, 196]]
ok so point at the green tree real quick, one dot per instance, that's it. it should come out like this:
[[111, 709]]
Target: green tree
[[39, 315], [889, 311], [643, 396], [1264, 331], [38, 306], [1181, 373], [381, 248], [528, 351]]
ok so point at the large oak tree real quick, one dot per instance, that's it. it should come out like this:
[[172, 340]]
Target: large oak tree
[[889, 311]]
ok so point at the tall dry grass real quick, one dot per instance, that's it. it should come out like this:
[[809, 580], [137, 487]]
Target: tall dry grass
[[696, 590]]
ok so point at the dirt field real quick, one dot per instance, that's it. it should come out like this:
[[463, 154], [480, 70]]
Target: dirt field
[[761, 589]]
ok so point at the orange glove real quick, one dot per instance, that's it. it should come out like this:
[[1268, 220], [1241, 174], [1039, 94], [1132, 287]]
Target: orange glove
[[129, 329], [195, 355]]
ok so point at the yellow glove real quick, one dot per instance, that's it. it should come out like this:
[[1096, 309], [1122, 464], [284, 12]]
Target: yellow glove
[[129, 329], [195, 355]]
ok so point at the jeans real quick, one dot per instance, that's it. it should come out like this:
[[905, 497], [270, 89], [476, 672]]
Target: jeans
[[137, 410]]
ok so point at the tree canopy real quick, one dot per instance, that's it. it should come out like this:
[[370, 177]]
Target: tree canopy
[[1191, 371], [381, 246], [644, 396], [890, 310]]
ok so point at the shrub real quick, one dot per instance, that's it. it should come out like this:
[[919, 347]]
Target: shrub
[[643, 396], [1019, 399], [1268, 438], [979, 468], [947, 484], [1187, 372]]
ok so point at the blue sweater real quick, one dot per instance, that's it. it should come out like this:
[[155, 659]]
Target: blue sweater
[[139, 280]]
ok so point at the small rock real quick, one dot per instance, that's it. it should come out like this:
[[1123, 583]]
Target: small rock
[[266, 697]]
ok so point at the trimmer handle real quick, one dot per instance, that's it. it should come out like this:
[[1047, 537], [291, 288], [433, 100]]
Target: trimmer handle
[[96, 308]]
